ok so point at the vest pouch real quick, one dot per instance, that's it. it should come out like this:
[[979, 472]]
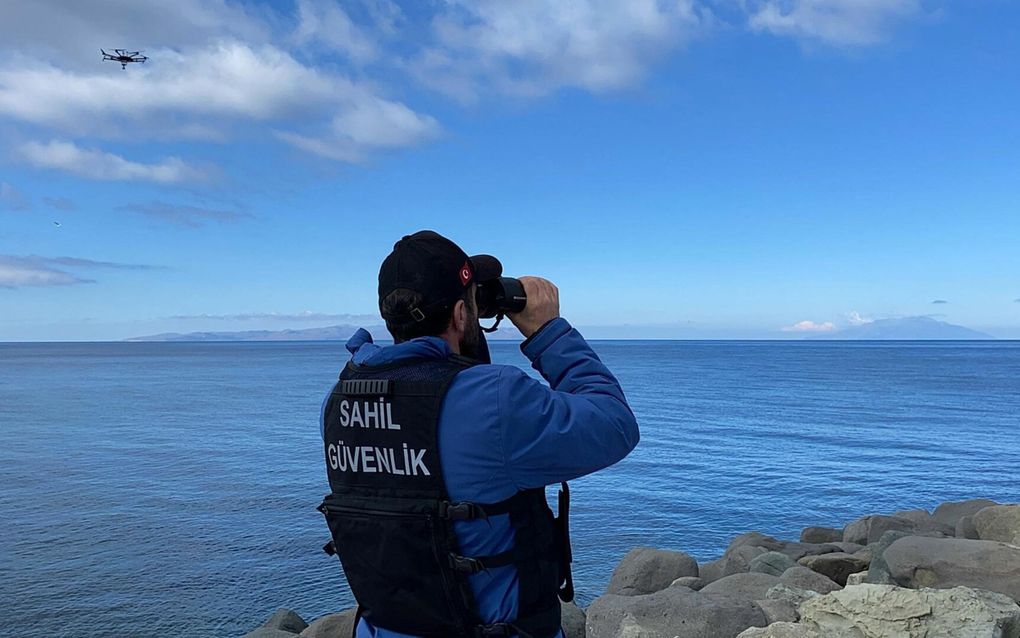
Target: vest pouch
[[412, 599]]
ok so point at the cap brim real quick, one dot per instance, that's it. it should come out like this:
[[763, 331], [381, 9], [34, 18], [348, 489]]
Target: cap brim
[[486, 267]]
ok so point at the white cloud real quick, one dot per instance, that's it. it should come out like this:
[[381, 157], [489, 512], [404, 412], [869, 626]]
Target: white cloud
[[73, 32], [326, 23], [94, 164], [33, 270], [13, 199], [810, 326], [201, 93], [836, 22], [533, 47], [855, 318]]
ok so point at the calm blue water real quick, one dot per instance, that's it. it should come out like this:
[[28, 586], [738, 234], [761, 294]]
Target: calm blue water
[[169, 489]]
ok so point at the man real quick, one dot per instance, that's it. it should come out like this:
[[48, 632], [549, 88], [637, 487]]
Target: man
[[437, 462]]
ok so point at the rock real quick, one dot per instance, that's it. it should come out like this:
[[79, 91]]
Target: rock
[[856, 579], [738, 560], [286, 620], [849, 548], [878, 571], [778, 610], [748, 587], [572, 620], [870, 528], [923, 522], [884, 611], [712, 570], [673, 612], [692, 582], [821, 535], [769, 544], [792, 595], [950, 513], [339, 625], [804, 578], [269, 632], [998, 523], [645, 570], [965, 528], [917, 561], [773, 563], [780, 630], [836, 566]]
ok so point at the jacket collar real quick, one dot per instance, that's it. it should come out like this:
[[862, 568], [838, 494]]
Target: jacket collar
[[365, 352]]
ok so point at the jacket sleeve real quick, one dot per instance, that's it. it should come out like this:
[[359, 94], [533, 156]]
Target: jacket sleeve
[[581, 423]]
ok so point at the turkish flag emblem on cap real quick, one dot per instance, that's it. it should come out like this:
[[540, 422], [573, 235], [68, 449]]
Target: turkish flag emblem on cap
[[465, 274]]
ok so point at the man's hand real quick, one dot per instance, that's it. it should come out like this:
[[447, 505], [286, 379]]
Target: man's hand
[[543, 305]]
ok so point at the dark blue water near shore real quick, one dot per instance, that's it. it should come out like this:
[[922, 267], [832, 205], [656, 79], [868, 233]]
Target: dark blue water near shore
[[169, 489]]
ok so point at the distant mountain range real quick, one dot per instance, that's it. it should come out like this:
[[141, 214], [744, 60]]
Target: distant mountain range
[[341, 332], [906, 328]]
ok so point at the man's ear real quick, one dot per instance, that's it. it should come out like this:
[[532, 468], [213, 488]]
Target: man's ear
[[460, 316]]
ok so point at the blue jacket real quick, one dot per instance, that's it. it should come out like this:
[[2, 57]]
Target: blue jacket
[[501, 431]]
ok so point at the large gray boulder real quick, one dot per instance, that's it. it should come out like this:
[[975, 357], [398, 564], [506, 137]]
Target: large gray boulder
[[339, 625], [674, 612], [693, 582], [751, 586], [572, 620], [781, 630], [805, 578], [774, 563], [998, 523], [878, 570], [950, 513], [794, 550], [870, 528], [712, 570], [923, 522], [286, 620], [778, 610], [790, 594], [645, 570], [918, 561], [965, 528], [821, 535], [835, 566], [885, 611], [269, 632]]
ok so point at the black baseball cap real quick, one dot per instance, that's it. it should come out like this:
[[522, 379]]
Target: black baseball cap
[[435, 267]]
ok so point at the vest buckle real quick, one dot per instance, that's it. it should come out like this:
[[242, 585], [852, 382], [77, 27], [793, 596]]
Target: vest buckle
[[460, 511], [465, 564]]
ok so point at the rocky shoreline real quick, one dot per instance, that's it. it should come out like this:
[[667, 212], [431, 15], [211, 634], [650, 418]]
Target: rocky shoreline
[[951, 573]]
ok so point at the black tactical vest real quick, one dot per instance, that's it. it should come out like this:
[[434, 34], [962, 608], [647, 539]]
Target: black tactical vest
[[391, 519]]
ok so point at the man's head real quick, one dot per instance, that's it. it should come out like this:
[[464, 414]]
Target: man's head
[[427, 287]]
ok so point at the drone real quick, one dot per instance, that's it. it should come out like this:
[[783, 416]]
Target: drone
[[124, 56]]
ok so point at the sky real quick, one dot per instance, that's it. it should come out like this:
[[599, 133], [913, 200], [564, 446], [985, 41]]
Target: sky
[[686, 168]]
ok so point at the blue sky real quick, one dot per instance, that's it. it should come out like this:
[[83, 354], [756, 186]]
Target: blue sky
[[693, 168]]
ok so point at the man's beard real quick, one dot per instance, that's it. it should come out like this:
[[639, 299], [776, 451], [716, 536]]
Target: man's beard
[[469, 343]]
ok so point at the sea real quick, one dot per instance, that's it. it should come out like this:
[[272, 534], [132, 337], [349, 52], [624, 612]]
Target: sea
[[169, 489]]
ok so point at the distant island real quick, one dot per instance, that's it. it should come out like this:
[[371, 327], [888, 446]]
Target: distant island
[[901, 329], [905, 329], [341, 332]]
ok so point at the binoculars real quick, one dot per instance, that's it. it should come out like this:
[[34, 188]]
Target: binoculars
[[496, 297]]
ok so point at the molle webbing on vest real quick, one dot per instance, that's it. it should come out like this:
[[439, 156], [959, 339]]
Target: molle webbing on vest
[[391, 518]]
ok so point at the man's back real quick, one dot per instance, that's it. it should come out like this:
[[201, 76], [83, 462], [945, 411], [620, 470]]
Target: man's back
[[501, 431]]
